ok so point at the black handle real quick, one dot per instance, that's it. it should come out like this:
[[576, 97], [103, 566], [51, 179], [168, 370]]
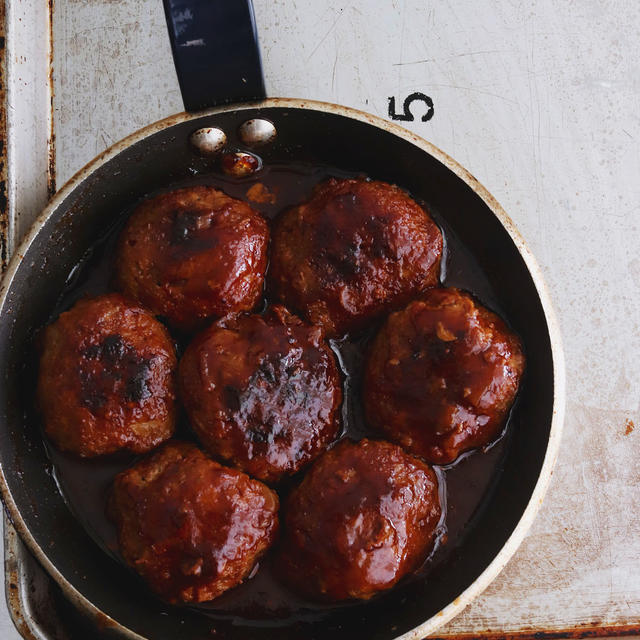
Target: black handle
[[215, 50]]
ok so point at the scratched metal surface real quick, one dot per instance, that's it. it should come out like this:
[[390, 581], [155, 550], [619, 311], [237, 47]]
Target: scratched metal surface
[[25, 139], [540, 100]]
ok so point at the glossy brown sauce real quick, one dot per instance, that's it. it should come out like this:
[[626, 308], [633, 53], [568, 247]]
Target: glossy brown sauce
[[287, 375], [465, 486]]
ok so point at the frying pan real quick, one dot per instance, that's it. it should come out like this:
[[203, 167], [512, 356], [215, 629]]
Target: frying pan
[[212, 71]]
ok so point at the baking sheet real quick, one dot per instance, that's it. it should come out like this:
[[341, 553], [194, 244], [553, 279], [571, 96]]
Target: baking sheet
[[540, 101]]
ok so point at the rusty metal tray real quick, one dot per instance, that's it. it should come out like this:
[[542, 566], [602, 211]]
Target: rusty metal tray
[[514, 99], [36, 605], [40, 611]]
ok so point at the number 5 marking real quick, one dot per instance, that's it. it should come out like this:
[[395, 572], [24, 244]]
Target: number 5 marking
[[407, 116]]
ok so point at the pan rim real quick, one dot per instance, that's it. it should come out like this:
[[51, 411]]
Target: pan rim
[[526, 520]]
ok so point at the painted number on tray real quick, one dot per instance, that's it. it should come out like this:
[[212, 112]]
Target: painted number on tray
[[407, 115]]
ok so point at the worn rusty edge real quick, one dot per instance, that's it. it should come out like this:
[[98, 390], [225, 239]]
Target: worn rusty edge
[[51, 138], [17, 598], [595, 630], [6, 224], [448, 612]]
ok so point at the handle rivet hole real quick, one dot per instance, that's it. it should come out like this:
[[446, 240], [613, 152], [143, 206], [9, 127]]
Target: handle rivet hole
[[209, 141], [257, 132]]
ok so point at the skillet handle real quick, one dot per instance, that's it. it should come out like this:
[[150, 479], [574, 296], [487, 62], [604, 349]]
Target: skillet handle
[[215, 50]]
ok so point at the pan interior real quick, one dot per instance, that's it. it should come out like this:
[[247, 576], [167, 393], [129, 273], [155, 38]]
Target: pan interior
[[164, 158]]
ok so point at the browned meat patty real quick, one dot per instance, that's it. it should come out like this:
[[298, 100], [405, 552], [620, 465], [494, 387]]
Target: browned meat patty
[[354, 250], [262, 392], [189, 526], [106, 379], [364, 516], [442, 375], [193, 254]]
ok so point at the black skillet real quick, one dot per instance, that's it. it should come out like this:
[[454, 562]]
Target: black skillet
[[212, 72]]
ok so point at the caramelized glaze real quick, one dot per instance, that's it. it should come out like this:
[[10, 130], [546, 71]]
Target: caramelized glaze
[[193, 254], [191, 527], [441, 376], [363, 517], [356, 249], [106, 378], [262, 392]]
